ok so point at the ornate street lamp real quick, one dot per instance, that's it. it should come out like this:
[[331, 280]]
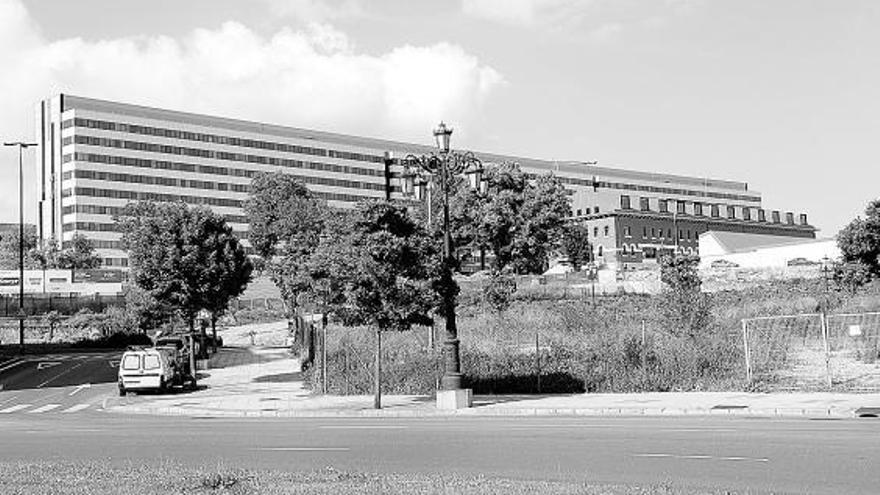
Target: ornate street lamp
[[442, 167]]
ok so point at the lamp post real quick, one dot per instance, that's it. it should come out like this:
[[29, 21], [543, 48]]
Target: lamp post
[[21, 146], [445, 165]]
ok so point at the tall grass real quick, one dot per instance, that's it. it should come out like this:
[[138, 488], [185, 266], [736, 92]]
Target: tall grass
[[623, 343]]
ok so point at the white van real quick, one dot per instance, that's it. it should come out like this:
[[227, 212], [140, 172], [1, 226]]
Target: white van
[[146, 369]]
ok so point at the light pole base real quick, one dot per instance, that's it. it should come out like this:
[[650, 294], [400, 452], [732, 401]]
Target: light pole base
[[461, 398]]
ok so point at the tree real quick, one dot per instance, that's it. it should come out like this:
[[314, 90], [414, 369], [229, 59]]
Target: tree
[[282, 213], [859, 241], [576, 245], [685, 309], [9, 249], [184, 258], [851, 275], [521, 219], [382, 271], [286, 221], [80, 255]]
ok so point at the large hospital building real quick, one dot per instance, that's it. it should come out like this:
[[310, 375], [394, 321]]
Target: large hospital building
[[96, 156]]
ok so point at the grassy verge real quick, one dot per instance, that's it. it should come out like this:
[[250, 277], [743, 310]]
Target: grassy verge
[[623, 343], [89, 478]]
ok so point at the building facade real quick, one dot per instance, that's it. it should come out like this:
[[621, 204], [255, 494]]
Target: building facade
[[96, 156]]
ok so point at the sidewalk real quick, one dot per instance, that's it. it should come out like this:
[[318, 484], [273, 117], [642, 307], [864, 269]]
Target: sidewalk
[[265, 382]]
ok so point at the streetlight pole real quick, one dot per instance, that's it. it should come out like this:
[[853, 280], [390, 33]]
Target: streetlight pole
[[21, 146], [446, 165]]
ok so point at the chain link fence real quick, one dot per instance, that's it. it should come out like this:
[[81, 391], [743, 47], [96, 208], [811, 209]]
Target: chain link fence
[[838, 352]]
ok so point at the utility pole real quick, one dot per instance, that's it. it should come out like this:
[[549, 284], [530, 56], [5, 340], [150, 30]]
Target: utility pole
[[21, 315]]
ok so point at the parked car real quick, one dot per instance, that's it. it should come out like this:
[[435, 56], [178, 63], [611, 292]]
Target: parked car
[[801, 262], [723, 264], [147, 369]]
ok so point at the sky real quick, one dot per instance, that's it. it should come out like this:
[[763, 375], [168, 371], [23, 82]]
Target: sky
[[783, 95]]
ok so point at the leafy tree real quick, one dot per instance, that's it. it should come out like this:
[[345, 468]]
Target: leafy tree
[[185, 258], [576, 245], [79, 255], [851, 275], [282, 213], [859, 241], [686, 309], [520, 219], [9, 249], [380, 270], [286, 221]]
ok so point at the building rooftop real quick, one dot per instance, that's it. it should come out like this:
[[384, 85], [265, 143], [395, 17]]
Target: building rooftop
[[738, 242]]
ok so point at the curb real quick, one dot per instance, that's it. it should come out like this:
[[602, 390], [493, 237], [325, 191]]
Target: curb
[[823, 413]]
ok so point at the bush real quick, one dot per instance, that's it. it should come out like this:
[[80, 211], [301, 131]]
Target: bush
[[119, 340]]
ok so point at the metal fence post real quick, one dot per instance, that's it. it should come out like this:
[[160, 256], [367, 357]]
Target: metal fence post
[[748, 356], [537, 363], [828, 380]]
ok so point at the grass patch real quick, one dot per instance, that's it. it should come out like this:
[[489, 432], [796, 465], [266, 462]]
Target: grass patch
[[92, 478], [623, 343]]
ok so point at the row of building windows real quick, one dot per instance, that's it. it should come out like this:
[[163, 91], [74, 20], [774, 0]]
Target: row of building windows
[[220, 186], [176, 134], [699, 209], [679, 192], [117, 262], [104, 227], [660, 233], [223, 155], [118, 210], [154, 180], [597, 184], [217, 139], [196, 200]]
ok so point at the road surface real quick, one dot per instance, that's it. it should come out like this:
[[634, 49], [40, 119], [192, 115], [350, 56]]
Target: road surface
[[57, 383], [784, 456]]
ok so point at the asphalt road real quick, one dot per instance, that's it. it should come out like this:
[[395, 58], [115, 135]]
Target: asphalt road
[[783, 456], [57, 383]]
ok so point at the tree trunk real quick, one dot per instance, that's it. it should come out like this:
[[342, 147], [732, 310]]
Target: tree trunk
[[377, 378], [214, 331]]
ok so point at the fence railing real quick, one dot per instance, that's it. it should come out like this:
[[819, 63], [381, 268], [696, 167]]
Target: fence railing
[[39, 304], [813, 351]]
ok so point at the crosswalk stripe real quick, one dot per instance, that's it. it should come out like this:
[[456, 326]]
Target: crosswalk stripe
[[47, 407], [78, 407], [12, 409]]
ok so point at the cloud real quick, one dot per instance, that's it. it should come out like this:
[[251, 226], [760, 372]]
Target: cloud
[[529, 13], [310, 77], [317, 10], [600, 21]]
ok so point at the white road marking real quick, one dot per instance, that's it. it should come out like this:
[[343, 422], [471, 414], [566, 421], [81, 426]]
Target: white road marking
[[47, 364], [11, 364], [68, 370], [362, 427], [78, 407], [12, 409], [702, 457], [700, 430], [79, 388], [47, 407], [303, 449]]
